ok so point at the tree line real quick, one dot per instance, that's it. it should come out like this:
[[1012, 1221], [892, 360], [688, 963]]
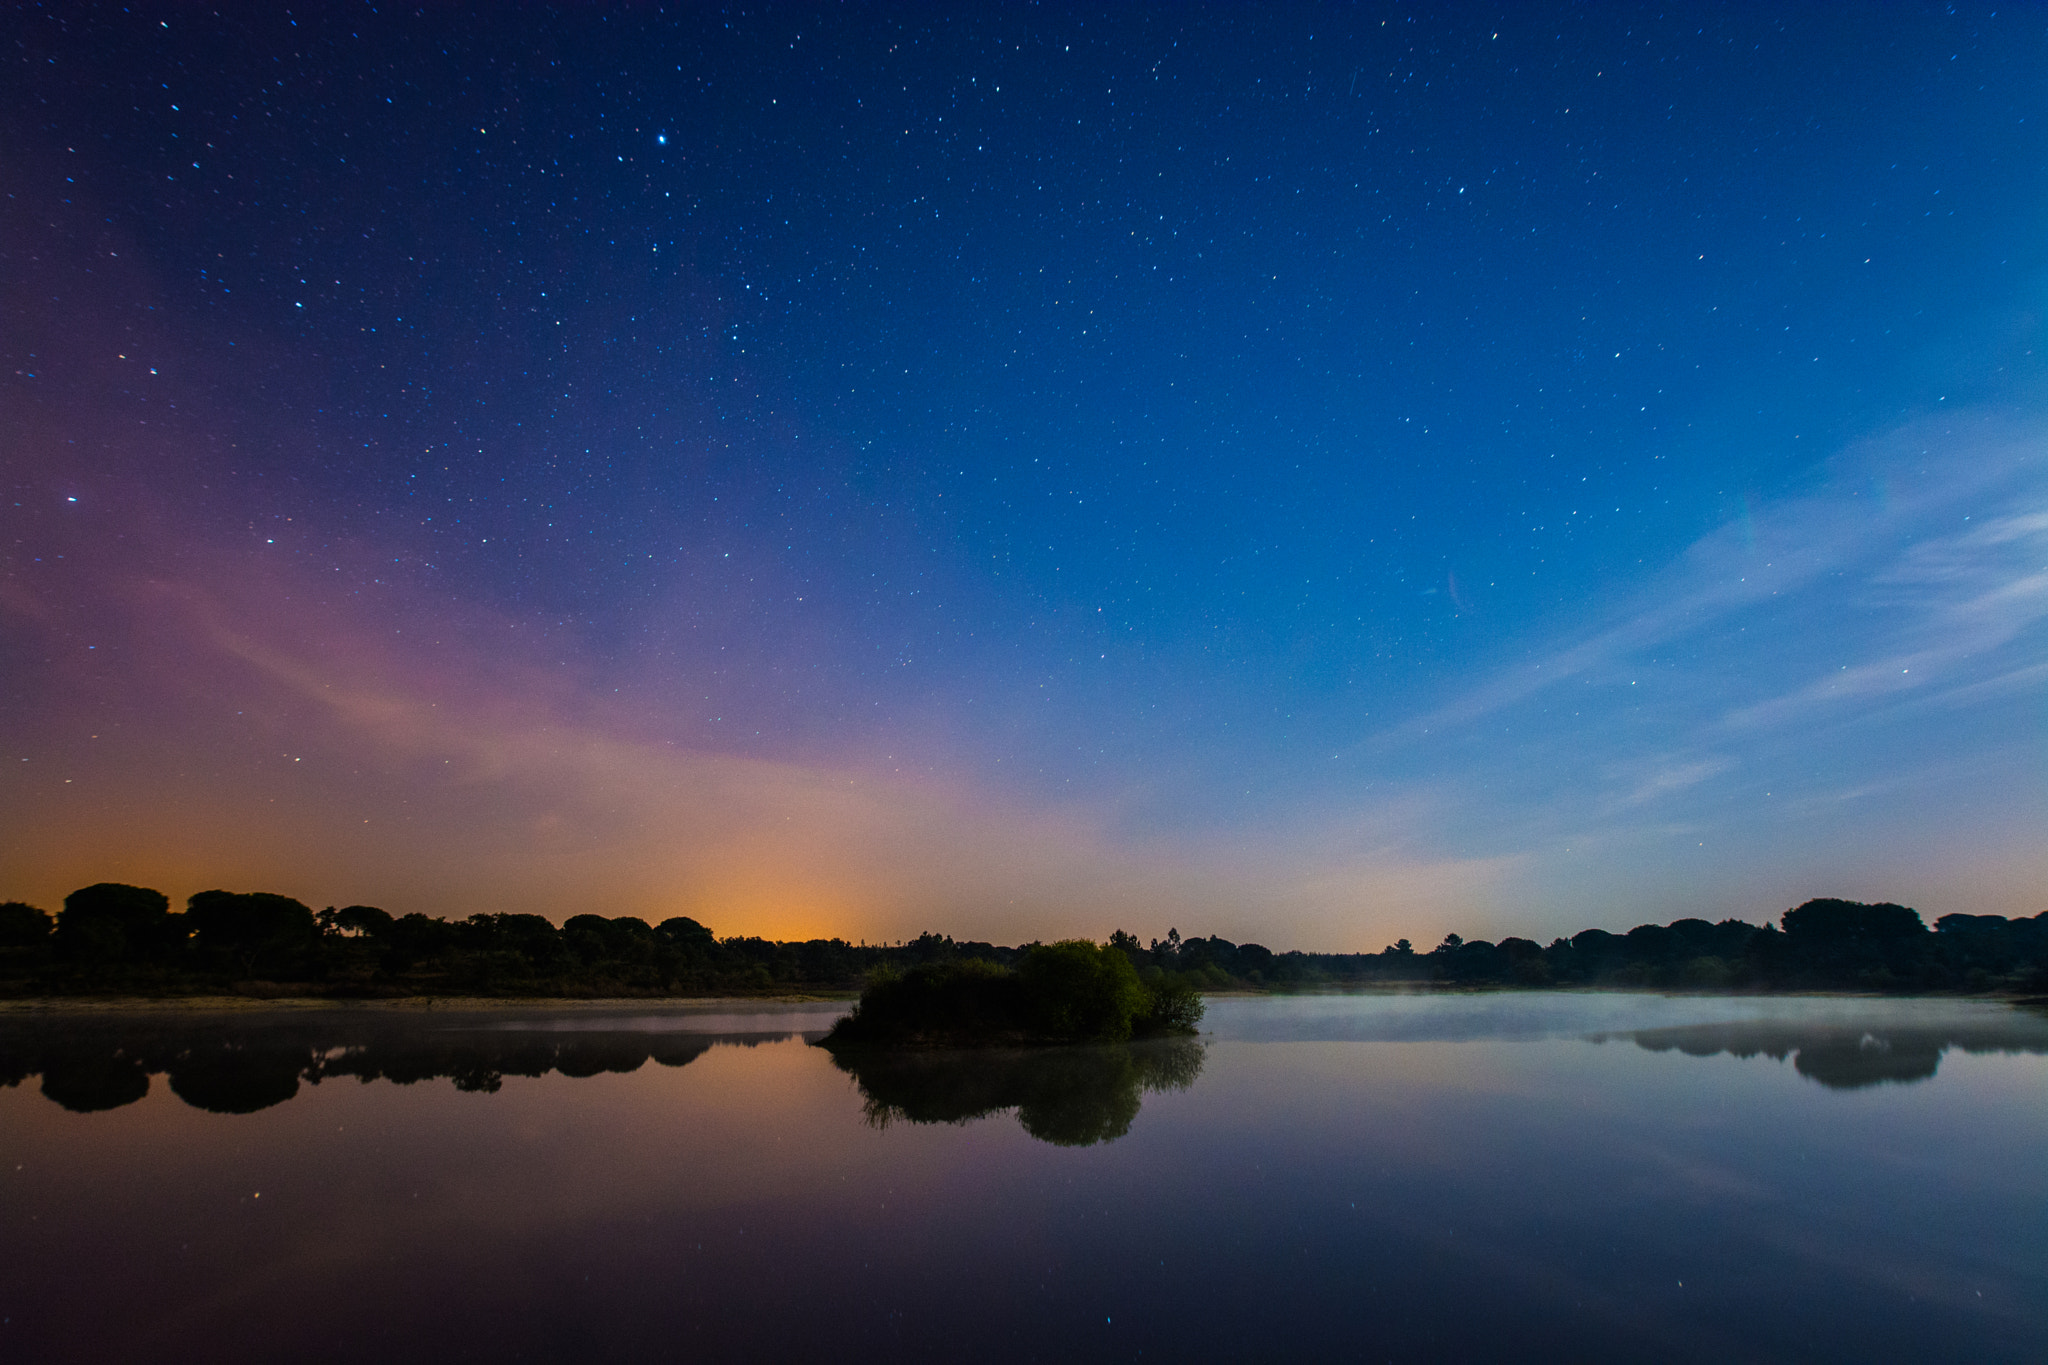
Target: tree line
[[115, 938], [1823, 944]]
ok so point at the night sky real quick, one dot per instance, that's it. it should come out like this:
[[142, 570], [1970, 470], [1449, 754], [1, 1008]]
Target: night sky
[[1311, 475]]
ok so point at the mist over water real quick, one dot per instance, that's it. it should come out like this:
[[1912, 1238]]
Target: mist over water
[[1502, 1176]]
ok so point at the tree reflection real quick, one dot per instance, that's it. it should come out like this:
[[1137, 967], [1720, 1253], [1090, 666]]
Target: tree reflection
[[1068, 1096], [242, 1066], [1850, 1055], [234, 1077], [88, 1083]]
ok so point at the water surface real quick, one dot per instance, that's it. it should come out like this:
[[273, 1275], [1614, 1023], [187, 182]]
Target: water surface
[[1512, 1176]]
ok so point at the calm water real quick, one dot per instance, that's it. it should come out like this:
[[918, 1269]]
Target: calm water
[[1533, 1177]]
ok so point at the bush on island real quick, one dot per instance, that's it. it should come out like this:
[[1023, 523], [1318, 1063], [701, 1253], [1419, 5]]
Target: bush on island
[[1068, 992]]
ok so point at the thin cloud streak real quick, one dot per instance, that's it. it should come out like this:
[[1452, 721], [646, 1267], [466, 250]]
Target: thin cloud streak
[[1901, 602], [1784, 552]]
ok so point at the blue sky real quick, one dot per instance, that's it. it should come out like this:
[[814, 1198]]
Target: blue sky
[[1313, 475]]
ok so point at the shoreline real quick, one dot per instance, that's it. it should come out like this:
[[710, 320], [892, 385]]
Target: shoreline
[[479, 1004]]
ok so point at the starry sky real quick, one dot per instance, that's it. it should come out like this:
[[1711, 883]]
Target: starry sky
[[1307, 474]]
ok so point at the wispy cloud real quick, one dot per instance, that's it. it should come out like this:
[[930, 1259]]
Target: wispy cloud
[[1667, 778], [1876, 525], [1947, 607], [1871, 635]]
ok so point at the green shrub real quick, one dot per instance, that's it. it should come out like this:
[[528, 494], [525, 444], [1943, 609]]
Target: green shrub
[[1176, 1007], [1079, 992], [1069, 992]]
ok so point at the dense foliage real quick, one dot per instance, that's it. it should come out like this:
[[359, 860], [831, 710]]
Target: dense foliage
[[1068, 992], [110, 938]]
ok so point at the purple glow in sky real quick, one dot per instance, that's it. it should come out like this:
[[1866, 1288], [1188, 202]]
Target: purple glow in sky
[[1311, 475]]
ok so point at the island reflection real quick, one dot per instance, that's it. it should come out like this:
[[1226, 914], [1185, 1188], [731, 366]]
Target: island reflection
[[1067, 1096]]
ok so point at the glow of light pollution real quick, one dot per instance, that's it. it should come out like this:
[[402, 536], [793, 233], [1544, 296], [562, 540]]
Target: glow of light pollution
[[1307, 474]]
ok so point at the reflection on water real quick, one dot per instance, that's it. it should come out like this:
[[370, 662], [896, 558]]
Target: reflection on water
[[1842, 1042], [239, 1064], [1529, 1016], [1072, 1096], [1068, 1096], [1435, 1177], [1851, 1055]]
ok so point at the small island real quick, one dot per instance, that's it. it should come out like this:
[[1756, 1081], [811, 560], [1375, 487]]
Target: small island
[[1073, 991]]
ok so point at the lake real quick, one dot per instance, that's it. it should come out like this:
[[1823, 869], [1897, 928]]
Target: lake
[[1425, 1177]]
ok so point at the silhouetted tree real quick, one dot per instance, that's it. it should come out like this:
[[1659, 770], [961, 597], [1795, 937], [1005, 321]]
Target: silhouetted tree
[[685, 932], [939, 1002], [24, 926], [590, 937], [415, 938], [366, 920], [246, 929], [1835, 922], [532, 938], [1837, 940], [111, 921]]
